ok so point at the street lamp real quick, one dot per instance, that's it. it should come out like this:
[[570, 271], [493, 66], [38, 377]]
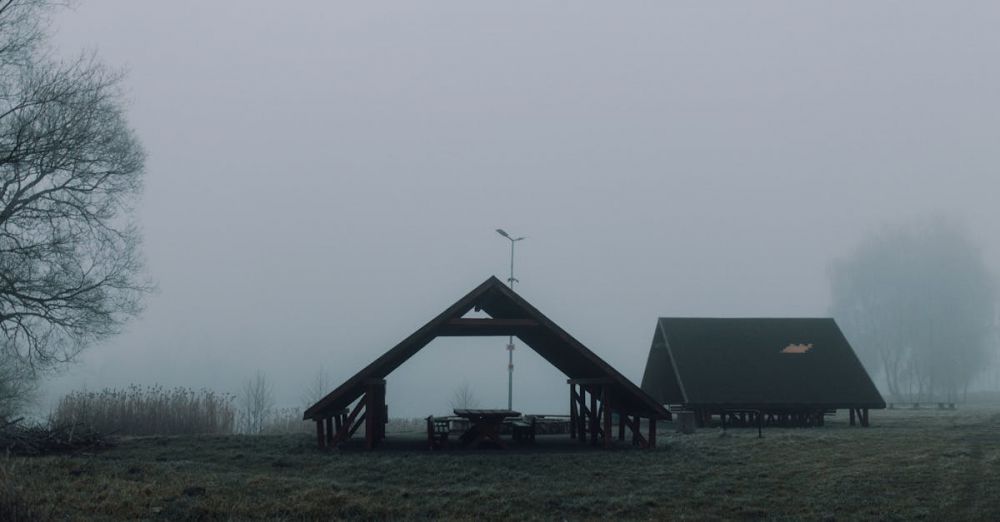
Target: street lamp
[[510, 341]]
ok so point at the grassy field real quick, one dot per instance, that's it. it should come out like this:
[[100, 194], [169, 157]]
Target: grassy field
[[910, 465]]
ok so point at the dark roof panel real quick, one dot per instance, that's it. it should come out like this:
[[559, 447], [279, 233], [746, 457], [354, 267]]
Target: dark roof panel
[[774, 362]]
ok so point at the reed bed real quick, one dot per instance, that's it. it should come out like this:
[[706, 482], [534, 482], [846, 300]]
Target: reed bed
[[149, 410]]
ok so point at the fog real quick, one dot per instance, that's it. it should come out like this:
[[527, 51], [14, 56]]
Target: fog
[[325, 177]]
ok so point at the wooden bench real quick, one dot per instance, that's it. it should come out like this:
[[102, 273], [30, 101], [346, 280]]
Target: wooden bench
[[523, 429], [551, 424], [438, 429]]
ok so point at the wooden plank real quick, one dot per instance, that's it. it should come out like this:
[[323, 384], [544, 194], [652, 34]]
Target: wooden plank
[[606, 400], [486, 327], [480, 321], [489, 322], [329, 430], [572, 411], [373, 411], [592, 380], [466, 412], [593, 416]]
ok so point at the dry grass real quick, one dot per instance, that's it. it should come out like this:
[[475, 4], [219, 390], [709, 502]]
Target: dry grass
[[150, 410], [922, 465], [284, 421]]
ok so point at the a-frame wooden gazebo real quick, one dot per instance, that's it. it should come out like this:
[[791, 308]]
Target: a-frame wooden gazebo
[[598, 392]]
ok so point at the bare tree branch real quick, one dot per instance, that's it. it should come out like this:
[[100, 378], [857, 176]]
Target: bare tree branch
[[70, 172]]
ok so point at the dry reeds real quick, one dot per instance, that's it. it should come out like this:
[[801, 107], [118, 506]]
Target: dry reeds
[[148, 410]]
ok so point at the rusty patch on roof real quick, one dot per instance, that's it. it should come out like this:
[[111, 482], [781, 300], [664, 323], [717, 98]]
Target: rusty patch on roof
[[797, 348]]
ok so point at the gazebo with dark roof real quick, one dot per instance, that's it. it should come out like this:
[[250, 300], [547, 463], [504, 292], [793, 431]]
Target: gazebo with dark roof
[[598, 392], [785, 370]]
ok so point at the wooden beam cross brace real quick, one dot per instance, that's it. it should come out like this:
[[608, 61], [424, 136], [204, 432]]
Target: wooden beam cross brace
[[345, 430], [572, 411]]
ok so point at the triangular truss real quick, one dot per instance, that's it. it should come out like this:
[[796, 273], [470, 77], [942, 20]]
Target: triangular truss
[[509, 314]]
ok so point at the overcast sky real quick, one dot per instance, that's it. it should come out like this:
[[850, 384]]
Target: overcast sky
[[325, 177]]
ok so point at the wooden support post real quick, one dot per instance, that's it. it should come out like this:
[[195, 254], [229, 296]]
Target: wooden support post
[[329, 431], [652, 433], [606, 400], [593, 416], [338, 420], [621, 425], [374, 412], [371, 417], [852, 416], [385, 414], [320, 438], [864, 417], [572, 411]]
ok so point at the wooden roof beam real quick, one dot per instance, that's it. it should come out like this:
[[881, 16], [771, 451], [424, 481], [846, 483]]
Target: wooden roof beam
[[473, 327]]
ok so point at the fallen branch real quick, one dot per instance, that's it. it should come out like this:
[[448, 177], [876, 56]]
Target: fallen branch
[[43, 440]]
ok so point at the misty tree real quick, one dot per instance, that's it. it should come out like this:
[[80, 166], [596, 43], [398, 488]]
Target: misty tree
[[317, 388], [919, 305], [256, 403], [70, 173], [463, 397]]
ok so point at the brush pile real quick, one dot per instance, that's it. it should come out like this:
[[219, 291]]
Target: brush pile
[[19, 439]]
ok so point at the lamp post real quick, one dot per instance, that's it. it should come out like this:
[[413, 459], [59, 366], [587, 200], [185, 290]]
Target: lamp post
[[510, 340]]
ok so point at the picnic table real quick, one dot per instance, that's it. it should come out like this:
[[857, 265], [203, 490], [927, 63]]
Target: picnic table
[[485, 425]]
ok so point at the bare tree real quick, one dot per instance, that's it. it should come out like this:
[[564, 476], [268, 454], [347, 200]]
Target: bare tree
[[256, 403], [70, 172], [463, 397], [320, 385], [918, 303]]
